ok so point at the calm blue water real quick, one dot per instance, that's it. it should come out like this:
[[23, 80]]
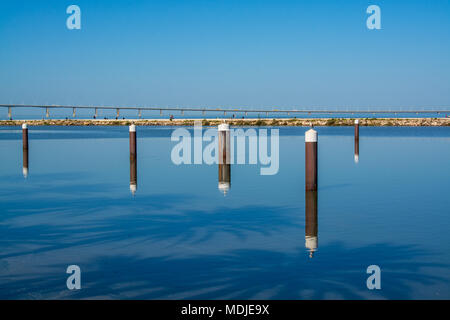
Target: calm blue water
[[179, 237]]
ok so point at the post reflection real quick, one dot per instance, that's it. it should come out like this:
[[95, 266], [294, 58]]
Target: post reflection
[[133, 174], [356, 150], [311, 224], [224, 178], [25, 163]]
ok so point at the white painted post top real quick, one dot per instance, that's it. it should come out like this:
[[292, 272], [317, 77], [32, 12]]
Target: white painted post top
[[224, 127], [356, 121], [311, 135], [24, 126], [132, 128]]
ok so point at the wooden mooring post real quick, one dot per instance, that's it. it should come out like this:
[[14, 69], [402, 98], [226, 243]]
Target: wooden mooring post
[[133, 159], [311, 160]]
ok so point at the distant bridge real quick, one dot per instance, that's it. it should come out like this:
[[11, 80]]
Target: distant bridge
[[246, 111]]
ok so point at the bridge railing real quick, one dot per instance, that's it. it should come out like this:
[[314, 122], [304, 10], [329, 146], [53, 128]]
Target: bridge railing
[[357, 111]]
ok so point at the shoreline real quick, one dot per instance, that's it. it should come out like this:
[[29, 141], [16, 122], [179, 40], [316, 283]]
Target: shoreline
[[296, 122]]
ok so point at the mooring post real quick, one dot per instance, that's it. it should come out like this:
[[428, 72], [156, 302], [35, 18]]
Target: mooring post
[[47, 113], [133, 160], [356, 141], [74, 110], [25, 149], [224, 143], [311, 160], [9, 113], [224, 158], [311, 222]]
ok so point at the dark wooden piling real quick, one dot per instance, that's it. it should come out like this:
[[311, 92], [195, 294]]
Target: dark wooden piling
[[224, 158], [356, 141], [224, 143], [311, 160], [25, 169], [133, 159]]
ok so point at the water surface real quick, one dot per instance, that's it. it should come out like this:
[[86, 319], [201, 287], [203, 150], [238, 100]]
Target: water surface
[[180, 237]]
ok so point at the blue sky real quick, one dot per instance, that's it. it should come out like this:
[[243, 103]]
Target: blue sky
[[225, 53]]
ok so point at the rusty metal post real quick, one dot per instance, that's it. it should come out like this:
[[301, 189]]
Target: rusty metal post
[[311, 160], [25, 149], [311, 222], [356, 141], [224, 158], [133, 159]]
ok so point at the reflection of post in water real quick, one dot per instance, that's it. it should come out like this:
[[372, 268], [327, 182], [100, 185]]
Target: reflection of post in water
[[356, 141], [224, 178], [25, 149], [224, 158], [133, 160], [311, 224]]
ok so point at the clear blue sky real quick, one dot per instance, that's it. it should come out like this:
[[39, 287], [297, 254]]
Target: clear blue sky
[[226, 53]]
